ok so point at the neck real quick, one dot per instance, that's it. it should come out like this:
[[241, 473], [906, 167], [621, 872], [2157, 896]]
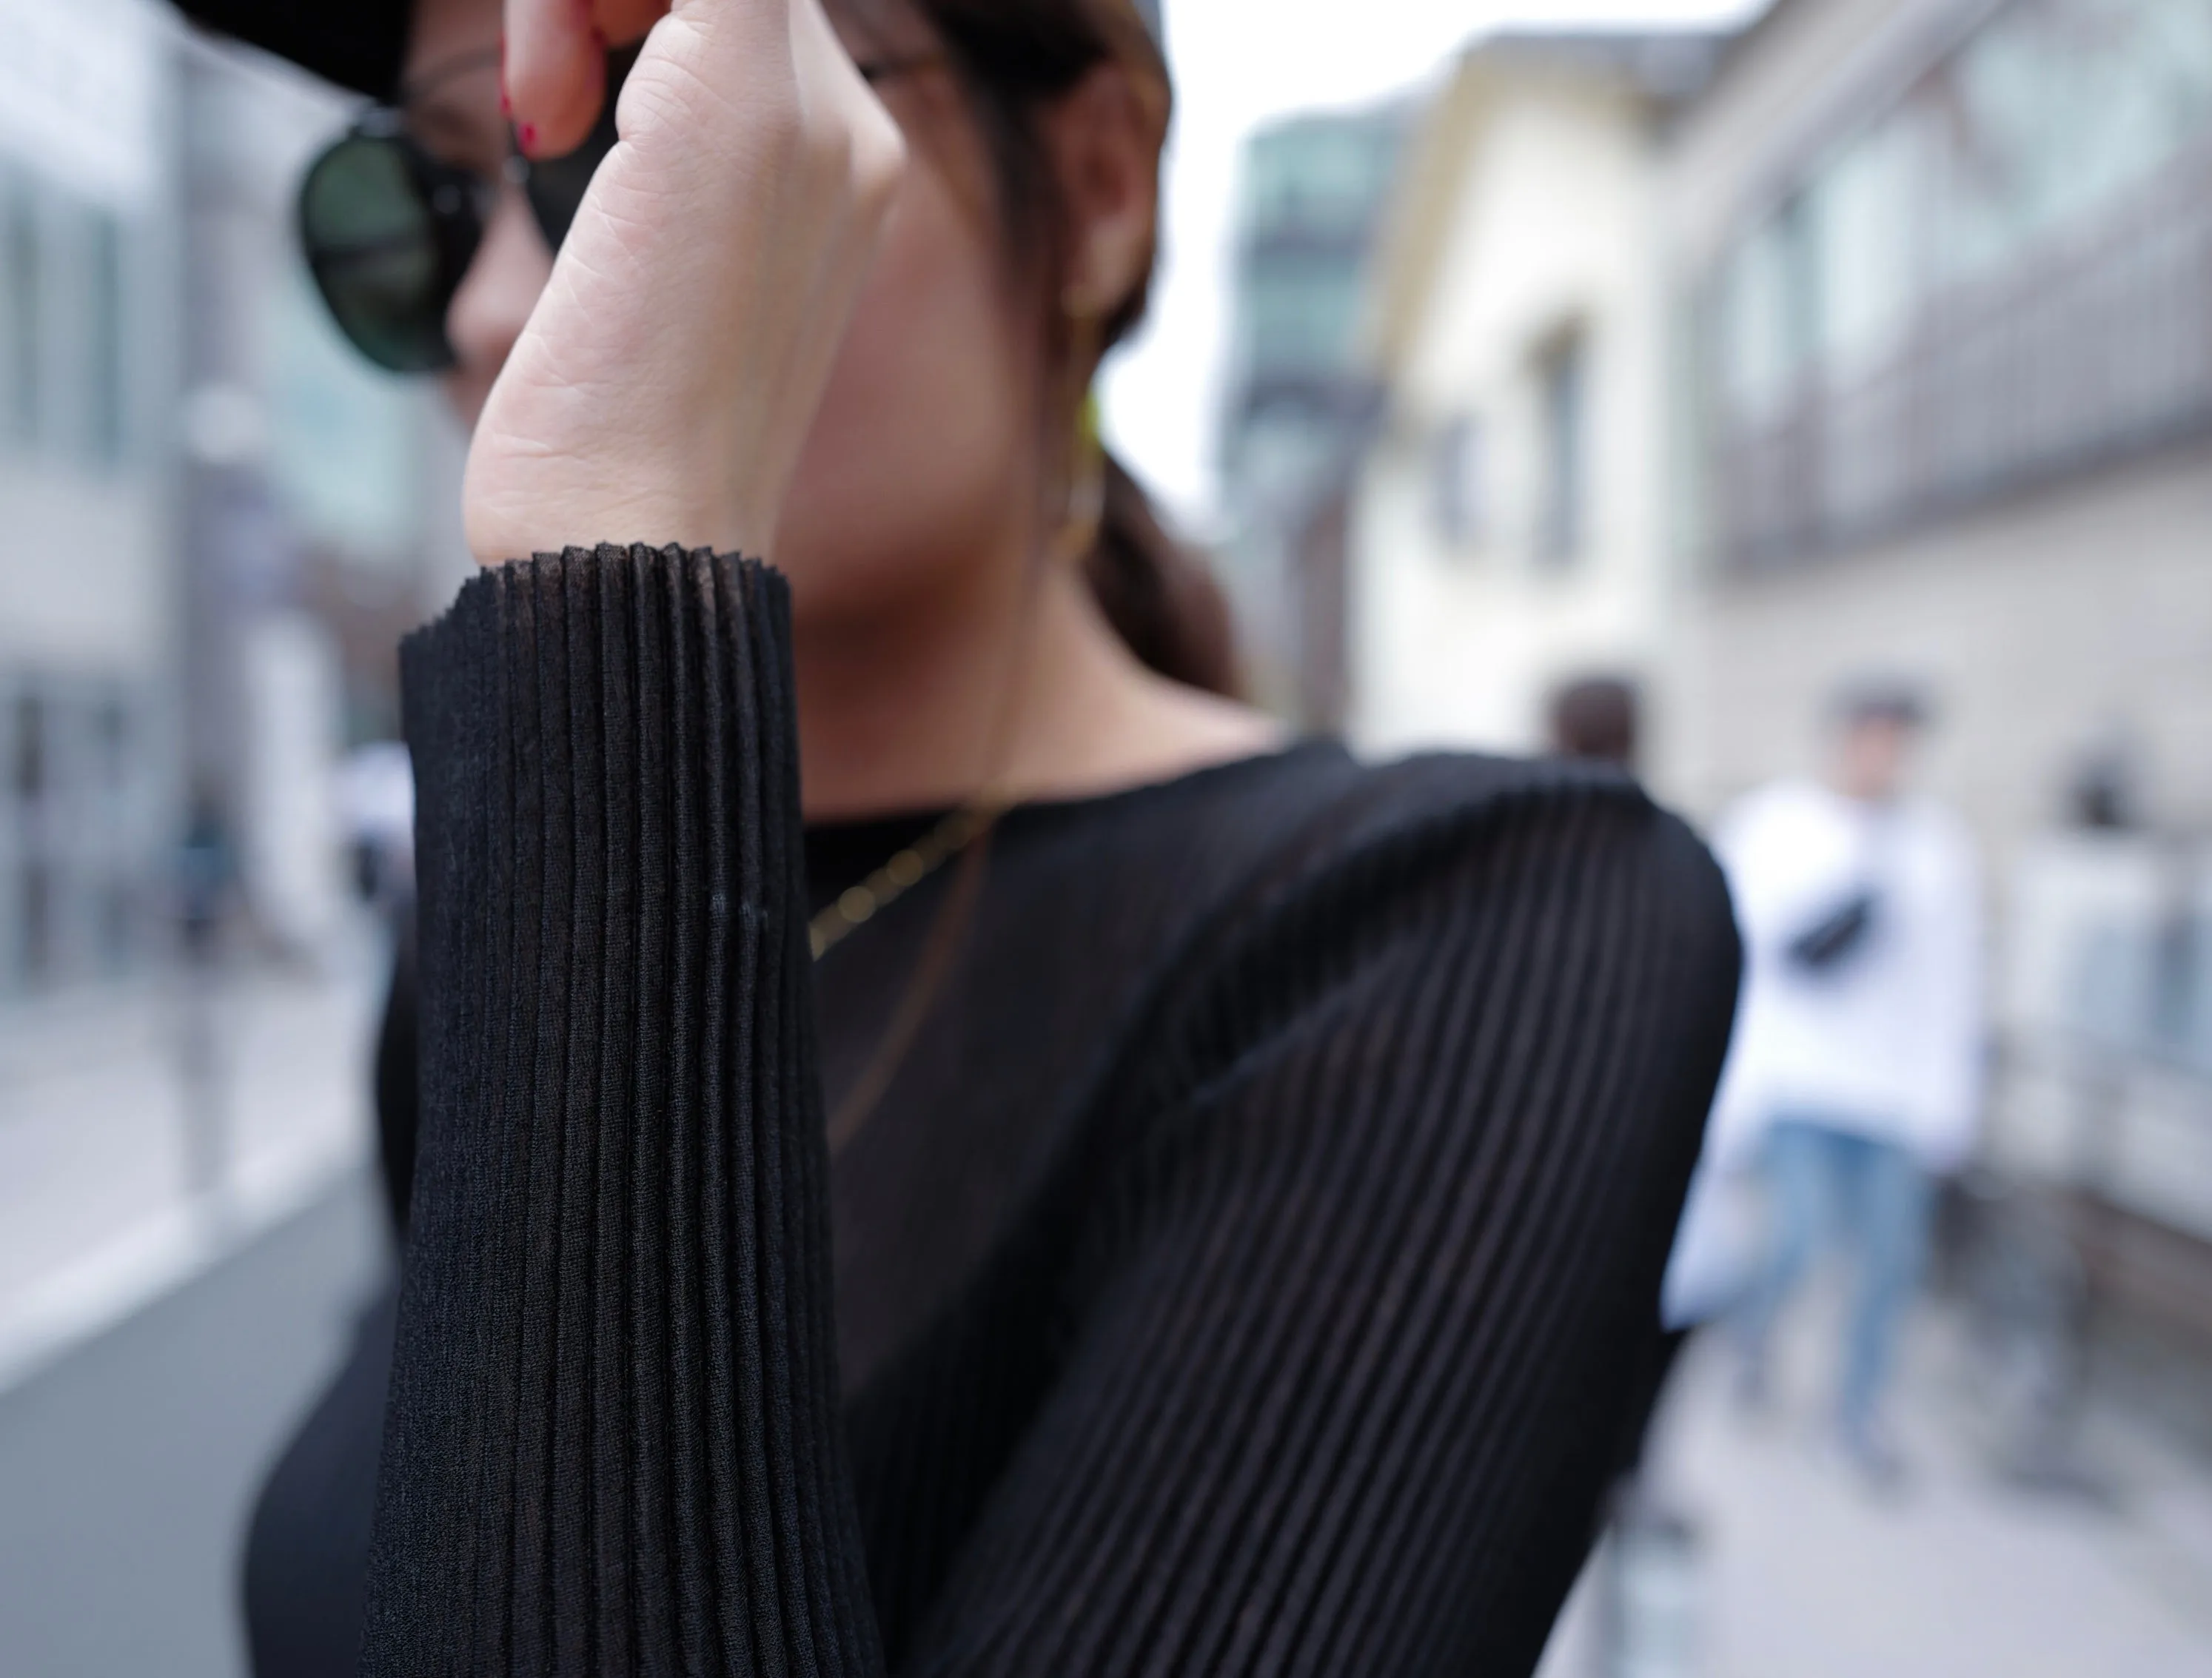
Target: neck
[[1025, 691], [926, 706]]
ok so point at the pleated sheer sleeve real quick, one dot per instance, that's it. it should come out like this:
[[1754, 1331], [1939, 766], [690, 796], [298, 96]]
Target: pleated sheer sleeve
[[1357, 1265], [612, 1444], [1364, 1297]]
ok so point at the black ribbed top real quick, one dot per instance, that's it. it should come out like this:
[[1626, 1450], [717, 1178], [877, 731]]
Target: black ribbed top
[[1248, 1270]]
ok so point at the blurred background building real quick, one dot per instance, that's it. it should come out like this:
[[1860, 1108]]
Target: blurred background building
[[89, 752], [213, 525], [1942, 267], [218, 521], [320, 502], [1509, 535], [1314, 192]]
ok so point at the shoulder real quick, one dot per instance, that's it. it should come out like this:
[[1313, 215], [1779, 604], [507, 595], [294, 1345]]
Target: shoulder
[[1511, 927], [1447, 821], [1437, 863]]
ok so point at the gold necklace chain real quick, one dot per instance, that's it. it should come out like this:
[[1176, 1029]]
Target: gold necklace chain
[[906, 870]]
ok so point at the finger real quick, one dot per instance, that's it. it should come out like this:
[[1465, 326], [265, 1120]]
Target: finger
[[726, 31], [624, 21], [556, 72]]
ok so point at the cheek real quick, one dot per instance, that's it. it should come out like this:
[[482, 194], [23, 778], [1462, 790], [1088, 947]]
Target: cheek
[[918, 456]]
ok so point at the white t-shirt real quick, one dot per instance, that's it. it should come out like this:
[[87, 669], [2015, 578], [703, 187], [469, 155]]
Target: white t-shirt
[[1888, 1042]]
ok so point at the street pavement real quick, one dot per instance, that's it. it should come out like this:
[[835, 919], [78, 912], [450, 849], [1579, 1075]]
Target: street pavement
[[106, 1201], [128, 1469], [167, 1312], [1804, 1570]]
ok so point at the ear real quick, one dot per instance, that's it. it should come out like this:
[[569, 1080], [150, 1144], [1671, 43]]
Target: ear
[[1105, 138]]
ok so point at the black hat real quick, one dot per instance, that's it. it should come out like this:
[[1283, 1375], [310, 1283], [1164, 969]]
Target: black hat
[[357, 44], [360, 43]]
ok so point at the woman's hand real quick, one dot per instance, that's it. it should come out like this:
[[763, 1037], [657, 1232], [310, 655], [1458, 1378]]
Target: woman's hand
[[669, 375]]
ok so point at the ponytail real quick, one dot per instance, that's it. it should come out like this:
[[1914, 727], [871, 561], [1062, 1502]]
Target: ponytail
[[1160, 600]]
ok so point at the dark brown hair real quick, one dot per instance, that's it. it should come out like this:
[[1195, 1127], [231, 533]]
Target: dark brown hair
[[1597, 719], [1016, 58]]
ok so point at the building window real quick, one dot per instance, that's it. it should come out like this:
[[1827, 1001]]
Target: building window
[[1996, 277], [23, 302], [1303, 311], [1456, 485], [113, 759], [106, 369], [1563, 393], [65, 372], [111, 728], [76, 895], [27, 758], [1863, 255], [29, 772]]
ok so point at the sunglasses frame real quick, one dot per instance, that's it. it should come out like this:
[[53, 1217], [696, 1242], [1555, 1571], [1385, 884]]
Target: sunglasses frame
[[455, 204]]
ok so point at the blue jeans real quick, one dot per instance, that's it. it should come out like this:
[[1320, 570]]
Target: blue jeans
[[1825, 1183]]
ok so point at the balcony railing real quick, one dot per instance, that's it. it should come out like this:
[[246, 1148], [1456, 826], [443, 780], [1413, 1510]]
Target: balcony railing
[[2095, 347]]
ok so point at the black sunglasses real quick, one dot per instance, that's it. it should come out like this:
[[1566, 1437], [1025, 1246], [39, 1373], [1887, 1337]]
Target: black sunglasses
[[389, 229]]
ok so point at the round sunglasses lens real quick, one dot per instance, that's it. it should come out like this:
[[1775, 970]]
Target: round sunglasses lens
[[374, 245]]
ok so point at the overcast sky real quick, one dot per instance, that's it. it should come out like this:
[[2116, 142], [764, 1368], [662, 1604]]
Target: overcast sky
[[1238, 63]]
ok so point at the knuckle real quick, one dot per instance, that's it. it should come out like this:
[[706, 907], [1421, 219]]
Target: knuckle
[[861, 157], [879, 156]]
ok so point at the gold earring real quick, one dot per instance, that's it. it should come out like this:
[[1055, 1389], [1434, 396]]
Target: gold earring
[[1087, 474]]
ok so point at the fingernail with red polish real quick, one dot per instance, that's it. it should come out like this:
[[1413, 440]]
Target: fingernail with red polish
[[526, 137]]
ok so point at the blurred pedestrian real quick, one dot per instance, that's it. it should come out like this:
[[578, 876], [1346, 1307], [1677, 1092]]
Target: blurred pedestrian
[[1599, 720], [206, 898], [1857, 1060], [376, 805], [207, 878], [1247, 1169]]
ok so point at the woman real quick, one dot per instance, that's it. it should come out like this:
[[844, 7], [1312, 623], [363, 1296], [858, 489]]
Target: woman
[[1242, 1177]]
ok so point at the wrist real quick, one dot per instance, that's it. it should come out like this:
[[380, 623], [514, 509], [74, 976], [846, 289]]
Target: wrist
[[602, 501]]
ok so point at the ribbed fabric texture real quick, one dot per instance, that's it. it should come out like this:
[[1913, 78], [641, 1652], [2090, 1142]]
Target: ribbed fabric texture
[[1251, 1272]]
